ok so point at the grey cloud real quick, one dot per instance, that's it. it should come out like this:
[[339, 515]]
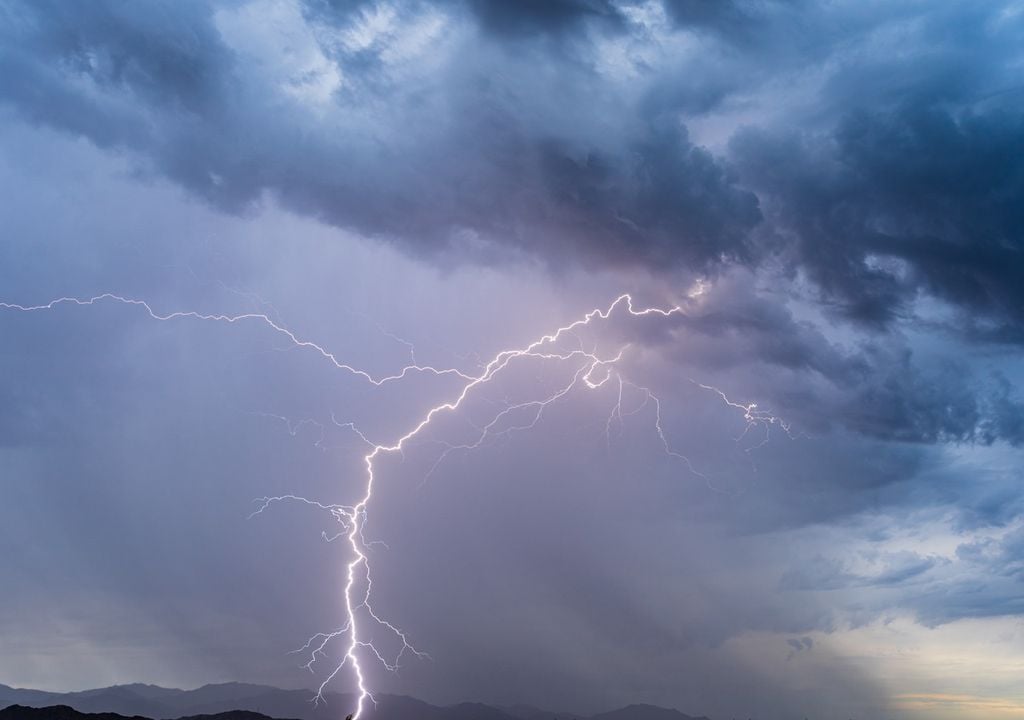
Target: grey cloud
[[189, 106], [169, 58], [670, 202], [876, 385], [901, 402], [988, 505], [545, 16], [799, 645], [901, 567], [990, 585], [1003, 557], [742, 326], [1005, 413], [804, 643], [822, 573], [982, 581], [902, 195], [518, 20], [901, 201], [736, 20], [901, 176]]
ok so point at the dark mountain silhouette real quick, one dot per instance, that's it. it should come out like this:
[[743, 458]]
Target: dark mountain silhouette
[[243, 701], [63, 712], [57, 712]]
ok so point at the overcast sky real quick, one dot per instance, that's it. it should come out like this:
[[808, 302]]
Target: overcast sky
[[831, 192]]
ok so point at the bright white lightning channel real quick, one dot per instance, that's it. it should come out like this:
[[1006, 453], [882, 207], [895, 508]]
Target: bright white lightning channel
[[592, 371]]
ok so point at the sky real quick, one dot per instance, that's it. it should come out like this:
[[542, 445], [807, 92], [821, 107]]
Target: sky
[[830, 193]]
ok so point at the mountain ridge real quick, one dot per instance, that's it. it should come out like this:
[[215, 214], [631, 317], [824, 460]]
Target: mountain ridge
[[66, 712], [153, 702]]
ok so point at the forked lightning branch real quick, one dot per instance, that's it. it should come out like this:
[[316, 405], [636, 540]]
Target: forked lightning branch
[[590, 370]]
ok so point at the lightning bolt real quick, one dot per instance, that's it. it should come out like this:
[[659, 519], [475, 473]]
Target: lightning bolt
[[232, 319], [592, 371]]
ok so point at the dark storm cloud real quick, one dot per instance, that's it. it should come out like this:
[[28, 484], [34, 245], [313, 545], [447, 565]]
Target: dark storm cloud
[[511, 19], [904, 179], [876, 386], [906, 200], [732, 19], [896, 193], [899, 400], [168, 57], [546, 16], [668, 190], [184, 102]]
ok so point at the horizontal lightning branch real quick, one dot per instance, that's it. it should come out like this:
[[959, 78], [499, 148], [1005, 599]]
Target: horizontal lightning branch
[[244, 317]]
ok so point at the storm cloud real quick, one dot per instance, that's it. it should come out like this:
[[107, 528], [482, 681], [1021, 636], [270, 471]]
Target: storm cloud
[[464, 151], [830, 192], [539, 145]]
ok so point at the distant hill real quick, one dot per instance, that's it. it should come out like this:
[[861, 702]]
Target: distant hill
[[242, 701], [63, 712]]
